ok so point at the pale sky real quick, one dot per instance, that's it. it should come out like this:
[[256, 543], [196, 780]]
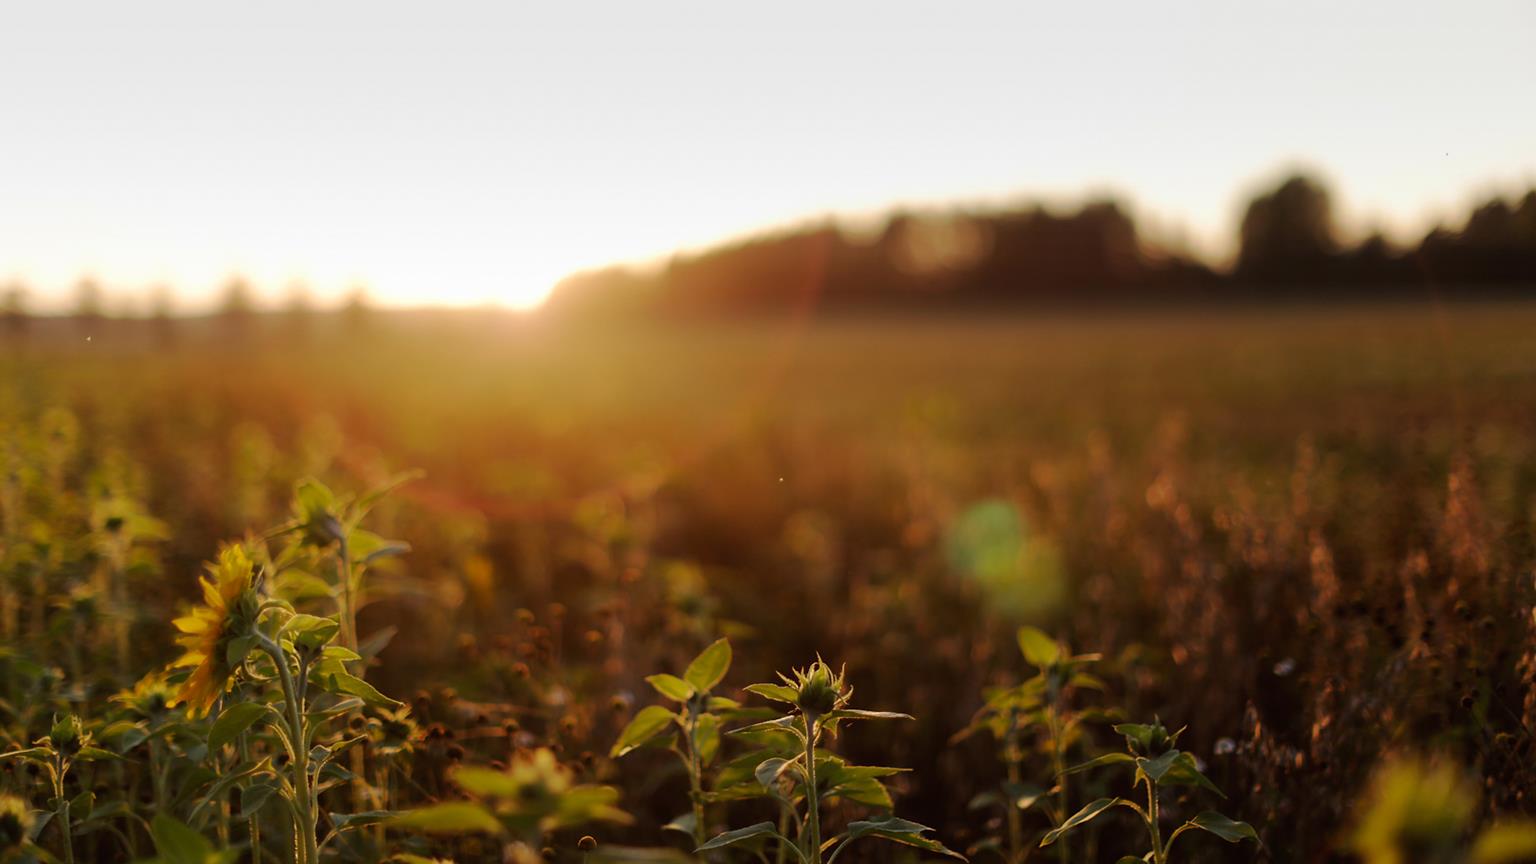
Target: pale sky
[[474, 152]]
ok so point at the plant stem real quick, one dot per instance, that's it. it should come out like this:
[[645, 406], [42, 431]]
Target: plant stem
[[58, 793], [305, 848], [696, 778], [1013, 758], [780, 851], [348, 613], [253, 826], [1059, 766], [812, 801], [1159, 854]]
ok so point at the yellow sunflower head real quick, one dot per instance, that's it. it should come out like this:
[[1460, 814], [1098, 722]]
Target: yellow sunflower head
[[228, 614]]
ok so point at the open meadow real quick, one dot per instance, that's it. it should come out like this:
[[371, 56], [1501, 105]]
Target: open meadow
[[1303, 533]]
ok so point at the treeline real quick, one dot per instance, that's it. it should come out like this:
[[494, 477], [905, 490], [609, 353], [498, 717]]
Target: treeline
[[1288, 246], [237, 314]]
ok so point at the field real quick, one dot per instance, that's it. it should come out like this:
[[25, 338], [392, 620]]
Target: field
[[1303, 533]]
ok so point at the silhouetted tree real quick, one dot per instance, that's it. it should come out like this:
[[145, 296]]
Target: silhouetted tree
[[1288, 234], [88, 304], [162, 315], [357, 310], [1496, 246], [237, 306], [299, 313], [13, 310]]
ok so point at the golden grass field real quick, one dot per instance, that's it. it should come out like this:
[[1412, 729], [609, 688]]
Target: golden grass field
[[1305, 532]]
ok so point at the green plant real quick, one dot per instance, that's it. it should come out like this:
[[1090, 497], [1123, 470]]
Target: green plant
[[324, 523], [818, 700], [535, 795], [1159, 764], [1040, 711], [56, 753], [296, 683], [692, 731]]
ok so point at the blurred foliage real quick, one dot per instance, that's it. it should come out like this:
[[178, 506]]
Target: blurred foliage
[[1306, 534]]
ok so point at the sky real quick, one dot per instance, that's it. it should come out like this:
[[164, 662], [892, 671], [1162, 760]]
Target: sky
[[472, 153]]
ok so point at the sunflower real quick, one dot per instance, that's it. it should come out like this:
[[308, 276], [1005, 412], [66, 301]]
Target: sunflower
[[229, 614]]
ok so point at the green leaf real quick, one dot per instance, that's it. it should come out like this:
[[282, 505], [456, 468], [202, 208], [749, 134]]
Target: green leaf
[[647, 724], [1038, 648], [96, 754], [1086, 814], [124, 735], [367, 547], [348, 821], [862, 790], [777, 724], [1099, 762], [671, 686], [311, 499], [232, 721], [770, 770], [254, 797], [709, 668], [857, 714], [1183, 772], [1138, 736], [900, 831], [1086, 681], [1227, 829], [451, 817], [487, 782], [351, 685], [178, 844], [1157, 768], [707, 737], [776, 692], [682, 825], [741, 835], [311, 631], [237, 650]]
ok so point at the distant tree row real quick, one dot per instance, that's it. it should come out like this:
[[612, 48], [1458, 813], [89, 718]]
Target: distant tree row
[[237, 309], [1288, 244]]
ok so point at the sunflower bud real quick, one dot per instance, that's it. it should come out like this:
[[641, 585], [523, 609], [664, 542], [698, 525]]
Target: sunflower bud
[[818, 690], [67, 735], [1150, 740]]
